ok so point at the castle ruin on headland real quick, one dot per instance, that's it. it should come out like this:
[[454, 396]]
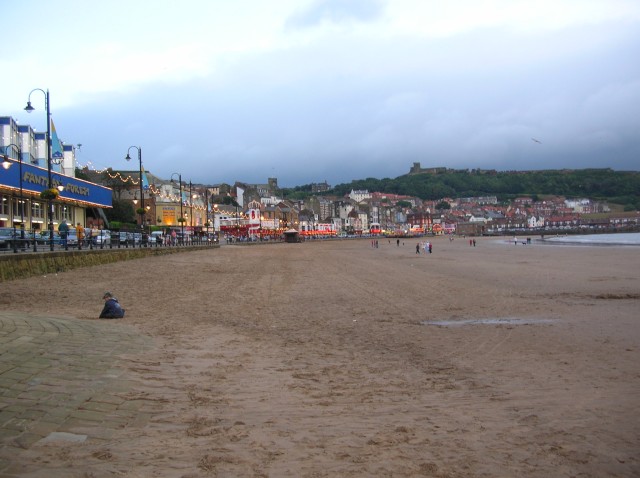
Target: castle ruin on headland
[[416, 169]]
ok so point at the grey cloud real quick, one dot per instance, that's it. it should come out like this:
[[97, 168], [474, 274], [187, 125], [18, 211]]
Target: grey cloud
[[352, 109], [336, 11]]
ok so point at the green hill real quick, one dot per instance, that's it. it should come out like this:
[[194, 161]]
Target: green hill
[[620, 187]]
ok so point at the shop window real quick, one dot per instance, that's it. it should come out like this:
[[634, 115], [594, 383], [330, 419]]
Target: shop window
[[4, 204], [20, 208], [63, 211], [37, 210]]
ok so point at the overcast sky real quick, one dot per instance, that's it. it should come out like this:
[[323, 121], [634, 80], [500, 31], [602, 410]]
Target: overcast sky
[[335, 90]]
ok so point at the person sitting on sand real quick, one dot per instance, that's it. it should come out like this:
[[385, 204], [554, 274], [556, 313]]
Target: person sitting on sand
[[112, 308]]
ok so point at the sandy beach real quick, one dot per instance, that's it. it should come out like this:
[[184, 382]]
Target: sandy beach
[[338, 359]]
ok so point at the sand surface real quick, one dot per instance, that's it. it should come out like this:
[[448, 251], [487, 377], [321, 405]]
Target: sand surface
[[337, 359]]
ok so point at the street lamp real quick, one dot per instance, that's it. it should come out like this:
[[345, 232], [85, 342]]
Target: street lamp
[[260, 230], [206, 206], [128, 158], [181, 215], [214, 206], [191, 207], [29, 109], [237, 220]]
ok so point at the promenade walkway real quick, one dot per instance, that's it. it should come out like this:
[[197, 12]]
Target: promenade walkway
[[64, 379]]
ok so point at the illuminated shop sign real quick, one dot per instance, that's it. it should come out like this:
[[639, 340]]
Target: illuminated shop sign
[[35, 179]]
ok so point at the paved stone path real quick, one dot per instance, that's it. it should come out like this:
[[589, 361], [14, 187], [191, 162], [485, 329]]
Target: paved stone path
[[64, 378]]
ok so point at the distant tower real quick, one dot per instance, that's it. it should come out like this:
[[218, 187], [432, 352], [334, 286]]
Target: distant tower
[[273, 184], [415, 169]]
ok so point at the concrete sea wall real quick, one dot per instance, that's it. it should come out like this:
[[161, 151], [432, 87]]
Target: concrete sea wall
[[27, 264]]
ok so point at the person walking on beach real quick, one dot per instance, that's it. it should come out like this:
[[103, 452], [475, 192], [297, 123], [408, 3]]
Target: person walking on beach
[[430, 248], [398, 242], [418, 248]]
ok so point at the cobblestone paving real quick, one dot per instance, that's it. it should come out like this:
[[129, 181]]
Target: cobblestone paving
[[60, 377]]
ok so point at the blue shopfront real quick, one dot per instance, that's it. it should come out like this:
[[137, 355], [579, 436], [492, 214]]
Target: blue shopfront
[[21, 204]]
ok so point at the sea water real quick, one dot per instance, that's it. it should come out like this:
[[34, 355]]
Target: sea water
[[620, 239]]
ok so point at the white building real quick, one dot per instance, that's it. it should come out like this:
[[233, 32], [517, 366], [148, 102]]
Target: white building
[[360, 195]]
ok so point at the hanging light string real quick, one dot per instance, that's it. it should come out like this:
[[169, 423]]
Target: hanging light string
[[158, 192]]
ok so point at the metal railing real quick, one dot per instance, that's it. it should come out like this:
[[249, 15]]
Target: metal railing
[[15, 240]]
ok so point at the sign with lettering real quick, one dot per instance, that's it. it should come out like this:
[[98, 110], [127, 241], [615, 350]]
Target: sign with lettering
[[35, 180], [168, 215]]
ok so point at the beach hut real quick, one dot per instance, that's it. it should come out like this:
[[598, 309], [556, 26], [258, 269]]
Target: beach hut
[[291, 235]]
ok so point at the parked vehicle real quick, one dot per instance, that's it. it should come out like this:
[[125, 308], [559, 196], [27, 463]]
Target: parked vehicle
[[42, 238], [186, 239], [72, 238], [10, 237], [156, 237], [125, 238], [101, 237], [213, 237]]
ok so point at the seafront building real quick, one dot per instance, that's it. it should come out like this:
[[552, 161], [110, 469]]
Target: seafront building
[[24, 177]]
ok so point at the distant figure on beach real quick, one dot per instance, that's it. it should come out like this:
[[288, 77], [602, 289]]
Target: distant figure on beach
[[418, 248], [398, 242], [470, 243], [112, 308], [474, 243], [430, 247]]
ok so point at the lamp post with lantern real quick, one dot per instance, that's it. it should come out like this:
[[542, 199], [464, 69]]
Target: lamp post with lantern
[[141, 208], [29, 109], [181, 220]]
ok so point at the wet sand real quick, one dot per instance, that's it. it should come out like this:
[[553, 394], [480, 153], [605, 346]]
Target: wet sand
[[339, 359]]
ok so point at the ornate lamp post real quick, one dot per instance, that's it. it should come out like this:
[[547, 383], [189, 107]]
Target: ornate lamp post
[[191, 206], [128, 158], [206, 206], [29, 109], [260, 229], [235, 203], [181, 215]]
